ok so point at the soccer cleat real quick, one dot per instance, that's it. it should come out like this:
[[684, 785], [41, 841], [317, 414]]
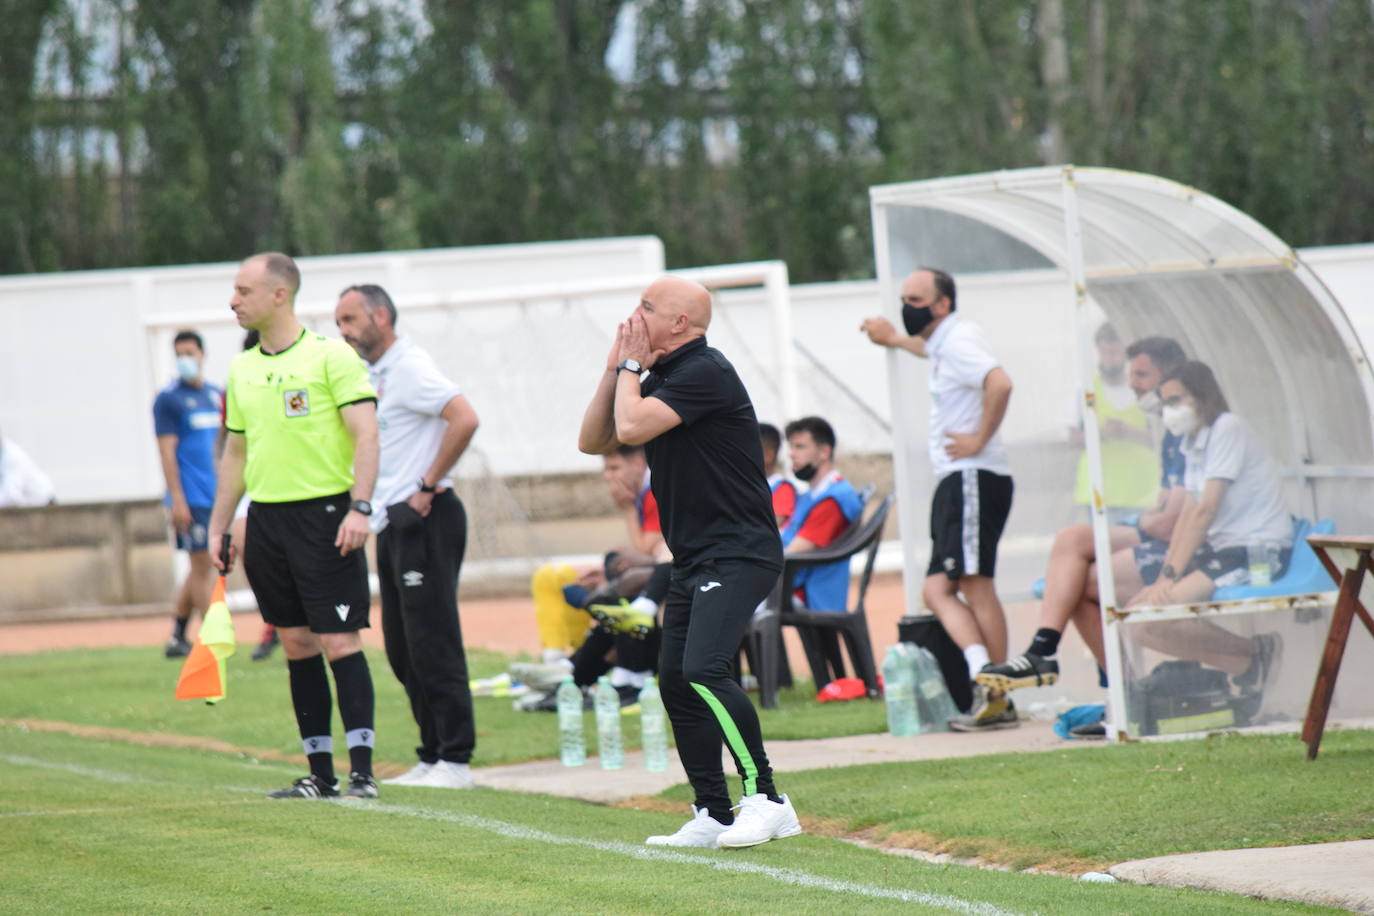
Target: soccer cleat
[[758, 820], [176, 647], [361, 785], [410, 776], [701, 831], [1028, 670], [623, 618], [307, 787], [446, 775], [265, 648], [540, 676], [990, 710], [1089, 730]]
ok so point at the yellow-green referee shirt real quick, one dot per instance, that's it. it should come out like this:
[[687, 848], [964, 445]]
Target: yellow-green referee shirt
[[286, 405]]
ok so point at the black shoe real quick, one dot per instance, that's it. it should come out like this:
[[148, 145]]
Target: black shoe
[[265, 648], [1090, 730], [176, 647], [307, 787], [1264, 664], [361, 785], [1028, 670]]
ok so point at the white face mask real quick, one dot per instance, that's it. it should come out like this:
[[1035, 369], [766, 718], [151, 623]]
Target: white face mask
[[188, 367], [1180, 419], [1148, 402]]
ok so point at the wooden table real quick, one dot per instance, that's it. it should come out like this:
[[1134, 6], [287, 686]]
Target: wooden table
[[1347, 559]]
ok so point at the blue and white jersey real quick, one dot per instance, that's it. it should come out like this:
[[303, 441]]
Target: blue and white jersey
[[192, 415]]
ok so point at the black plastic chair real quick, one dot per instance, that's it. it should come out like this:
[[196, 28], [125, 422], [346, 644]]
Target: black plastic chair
[[820, 631]]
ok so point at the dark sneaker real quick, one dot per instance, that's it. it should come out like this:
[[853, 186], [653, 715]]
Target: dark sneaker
[[361, 785], [307, 787], [622, 617], [1028, 670], [1089, 730], [176, 647], [264, 649], [1264, 664], [990, 710]]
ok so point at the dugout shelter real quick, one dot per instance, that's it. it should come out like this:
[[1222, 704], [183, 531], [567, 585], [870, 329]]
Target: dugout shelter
[[1147, 256]]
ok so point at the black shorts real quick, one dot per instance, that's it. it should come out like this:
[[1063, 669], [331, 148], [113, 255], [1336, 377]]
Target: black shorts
[[1149, 557], [967, 515], [295, 570]]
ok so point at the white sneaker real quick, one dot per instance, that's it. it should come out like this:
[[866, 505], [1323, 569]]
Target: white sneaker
[[702, 830], [540, 676], [759, 820], [446, 775], [409, 777]]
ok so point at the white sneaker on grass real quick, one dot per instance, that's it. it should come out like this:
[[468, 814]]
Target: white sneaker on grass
[[702, 831], [410, 776], [758, 820], [446, 775]]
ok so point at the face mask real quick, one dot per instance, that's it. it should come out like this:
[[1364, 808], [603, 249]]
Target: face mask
[[915, 319], [1180, 419], [1148, 402], [188, 367], [805, 472]]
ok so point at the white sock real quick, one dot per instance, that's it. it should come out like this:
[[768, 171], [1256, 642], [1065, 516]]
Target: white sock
[[976, 656], [645, 605]]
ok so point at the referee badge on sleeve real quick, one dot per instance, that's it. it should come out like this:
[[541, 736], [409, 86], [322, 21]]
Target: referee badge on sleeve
[[297, 402]]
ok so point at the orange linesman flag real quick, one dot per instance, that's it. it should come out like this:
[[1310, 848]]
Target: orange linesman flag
[[204, 676]]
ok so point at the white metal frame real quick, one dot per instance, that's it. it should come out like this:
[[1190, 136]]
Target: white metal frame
[[948, 194]]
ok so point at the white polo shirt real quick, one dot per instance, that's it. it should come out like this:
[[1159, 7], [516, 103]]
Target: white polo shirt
[[960, 359], [1252, 511], [411, 393]]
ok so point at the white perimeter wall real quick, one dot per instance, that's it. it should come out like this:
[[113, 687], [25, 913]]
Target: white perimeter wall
[[78, 376]]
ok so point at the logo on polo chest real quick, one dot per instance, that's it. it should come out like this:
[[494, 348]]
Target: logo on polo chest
[[297, 401]]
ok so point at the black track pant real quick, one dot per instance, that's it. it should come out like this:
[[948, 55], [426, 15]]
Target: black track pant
[[417, 568], [704, 620]]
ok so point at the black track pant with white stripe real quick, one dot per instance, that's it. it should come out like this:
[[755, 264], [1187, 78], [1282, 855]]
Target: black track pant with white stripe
[[705, 617]]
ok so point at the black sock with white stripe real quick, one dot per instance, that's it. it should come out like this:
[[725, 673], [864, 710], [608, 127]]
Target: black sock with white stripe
[[1045, 642], [310, 697], [353, 680]]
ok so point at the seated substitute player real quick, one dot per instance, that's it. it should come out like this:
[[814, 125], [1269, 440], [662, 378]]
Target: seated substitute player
[[301, 418], [783, 487]]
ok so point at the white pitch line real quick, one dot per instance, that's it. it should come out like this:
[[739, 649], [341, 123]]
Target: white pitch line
[[658, 854], [791, 876], [130, 809]]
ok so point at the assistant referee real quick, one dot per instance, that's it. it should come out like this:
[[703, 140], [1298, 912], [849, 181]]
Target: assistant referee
[[301, 418], [694, 418]]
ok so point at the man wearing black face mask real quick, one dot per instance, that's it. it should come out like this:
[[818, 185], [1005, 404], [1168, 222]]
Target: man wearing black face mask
[[969, 395]]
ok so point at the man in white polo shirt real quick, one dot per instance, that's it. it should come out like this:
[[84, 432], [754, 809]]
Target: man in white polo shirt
[[425, 424], [969, 393]]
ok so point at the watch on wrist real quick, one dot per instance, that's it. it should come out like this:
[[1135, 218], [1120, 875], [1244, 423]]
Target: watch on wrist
[[1168, 572], [426, 488], [361, 506], [630, 364]]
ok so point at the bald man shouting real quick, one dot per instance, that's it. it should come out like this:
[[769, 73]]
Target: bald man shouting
[[697, 425]]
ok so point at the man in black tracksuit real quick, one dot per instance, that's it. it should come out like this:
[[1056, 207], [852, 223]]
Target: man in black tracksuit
[[700, 435]]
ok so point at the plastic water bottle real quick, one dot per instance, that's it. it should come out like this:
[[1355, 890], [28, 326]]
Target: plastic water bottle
[[899, 692], [572, 743], [608, 742], [934, 704], [653, 728]]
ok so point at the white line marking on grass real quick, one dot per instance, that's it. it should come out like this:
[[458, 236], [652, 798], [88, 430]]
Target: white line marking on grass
[[129, 809], [92, 772], [658, 854]]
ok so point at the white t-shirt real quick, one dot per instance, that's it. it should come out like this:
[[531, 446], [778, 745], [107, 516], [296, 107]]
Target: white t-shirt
[[1252, 511], [411, 393], [960, 359], [22, 483]]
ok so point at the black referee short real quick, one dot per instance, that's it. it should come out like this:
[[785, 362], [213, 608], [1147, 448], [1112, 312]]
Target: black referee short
[[295, 570], [967, 515]]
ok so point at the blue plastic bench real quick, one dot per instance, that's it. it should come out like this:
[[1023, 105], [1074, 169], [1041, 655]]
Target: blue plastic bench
[[1304, 575]]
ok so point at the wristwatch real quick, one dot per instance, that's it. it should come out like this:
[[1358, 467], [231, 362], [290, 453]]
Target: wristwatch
[[361, 506], [631, 364], [426, 488]]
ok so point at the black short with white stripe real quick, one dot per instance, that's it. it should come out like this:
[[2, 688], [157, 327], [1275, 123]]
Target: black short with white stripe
[[967, 515]]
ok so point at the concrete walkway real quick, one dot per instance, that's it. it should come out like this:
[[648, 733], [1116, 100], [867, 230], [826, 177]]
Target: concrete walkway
[[1327, 874]]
